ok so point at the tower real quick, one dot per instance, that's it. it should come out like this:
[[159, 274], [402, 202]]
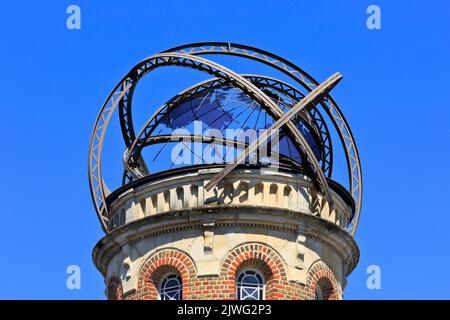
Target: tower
[[267, 222]]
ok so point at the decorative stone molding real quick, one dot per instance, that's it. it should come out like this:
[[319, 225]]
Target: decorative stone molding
[[300, 247], [283, 221], [208, 234], [279, 190]]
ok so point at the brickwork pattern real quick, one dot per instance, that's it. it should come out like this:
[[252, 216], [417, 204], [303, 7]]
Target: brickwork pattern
[[321, 275], [251, 255]]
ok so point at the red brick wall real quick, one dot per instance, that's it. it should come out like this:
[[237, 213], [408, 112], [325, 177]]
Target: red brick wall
[[160, 263], [260, 257], [223, 287]]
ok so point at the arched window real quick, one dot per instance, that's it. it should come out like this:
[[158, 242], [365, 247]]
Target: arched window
[[171, 287], [122, 217], [319, 293], [250, 285], [324, 289]]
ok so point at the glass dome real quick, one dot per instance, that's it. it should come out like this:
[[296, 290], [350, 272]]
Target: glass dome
[[228, 112]]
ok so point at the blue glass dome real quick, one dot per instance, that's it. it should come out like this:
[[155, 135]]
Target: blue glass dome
[[226, 110]]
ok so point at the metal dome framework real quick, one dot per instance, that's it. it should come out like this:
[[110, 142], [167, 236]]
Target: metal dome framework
[[313, 120], [255, 87]]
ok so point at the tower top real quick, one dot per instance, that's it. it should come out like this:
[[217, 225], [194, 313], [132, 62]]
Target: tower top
[[231, 120]]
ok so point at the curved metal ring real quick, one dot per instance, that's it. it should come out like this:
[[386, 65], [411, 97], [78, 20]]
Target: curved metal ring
[[315, 122], [309, 83]]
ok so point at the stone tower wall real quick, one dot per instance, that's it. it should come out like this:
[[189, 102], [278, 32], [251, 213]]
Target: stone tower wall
[[275, 224]]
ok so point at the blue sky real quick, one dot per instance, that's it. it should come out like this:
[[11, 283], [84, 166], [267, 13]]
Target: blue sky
[[394, 94]]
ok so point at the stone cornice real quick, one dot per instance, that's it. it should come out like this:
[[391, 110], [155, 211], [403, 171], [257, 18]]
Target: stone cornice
[[289, 221]]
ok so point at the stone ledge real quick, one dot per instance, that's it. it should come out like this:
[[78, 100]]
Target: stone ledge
[[284, 220]]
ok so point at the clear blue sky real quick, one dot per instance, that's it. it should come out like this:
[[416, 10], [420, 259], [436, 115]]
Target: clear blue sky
[[394, 94]]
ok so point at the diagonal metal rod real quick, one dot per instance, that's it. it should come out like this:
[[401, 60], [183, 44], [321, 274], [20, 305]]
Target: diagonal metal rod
[[319, 91]]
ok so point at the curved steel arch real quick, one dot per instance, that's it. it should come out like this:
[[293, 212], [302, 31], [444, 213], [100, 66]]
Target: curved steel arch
[[96, 183], [97, 186], [309, 83], [315, 123]]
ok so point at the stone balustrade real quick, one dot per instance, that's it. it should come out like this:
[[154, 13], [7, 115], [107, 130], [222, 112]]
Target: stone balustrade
[[244, 187]]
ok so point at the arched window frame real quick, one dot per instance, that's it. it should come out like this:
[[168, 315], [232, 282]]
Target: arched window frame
[[164, 292], [318, 293], [261, 288]]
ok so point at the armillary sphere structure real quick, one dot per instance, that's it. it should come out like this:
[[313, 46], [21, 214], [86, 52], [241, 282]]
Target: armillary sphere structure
[[229, 187], [300, 108]]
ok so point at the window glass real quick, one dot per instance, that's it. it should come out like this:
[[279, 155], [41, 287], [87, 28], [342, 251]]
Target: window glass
[[250, 286], [171, 287]]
